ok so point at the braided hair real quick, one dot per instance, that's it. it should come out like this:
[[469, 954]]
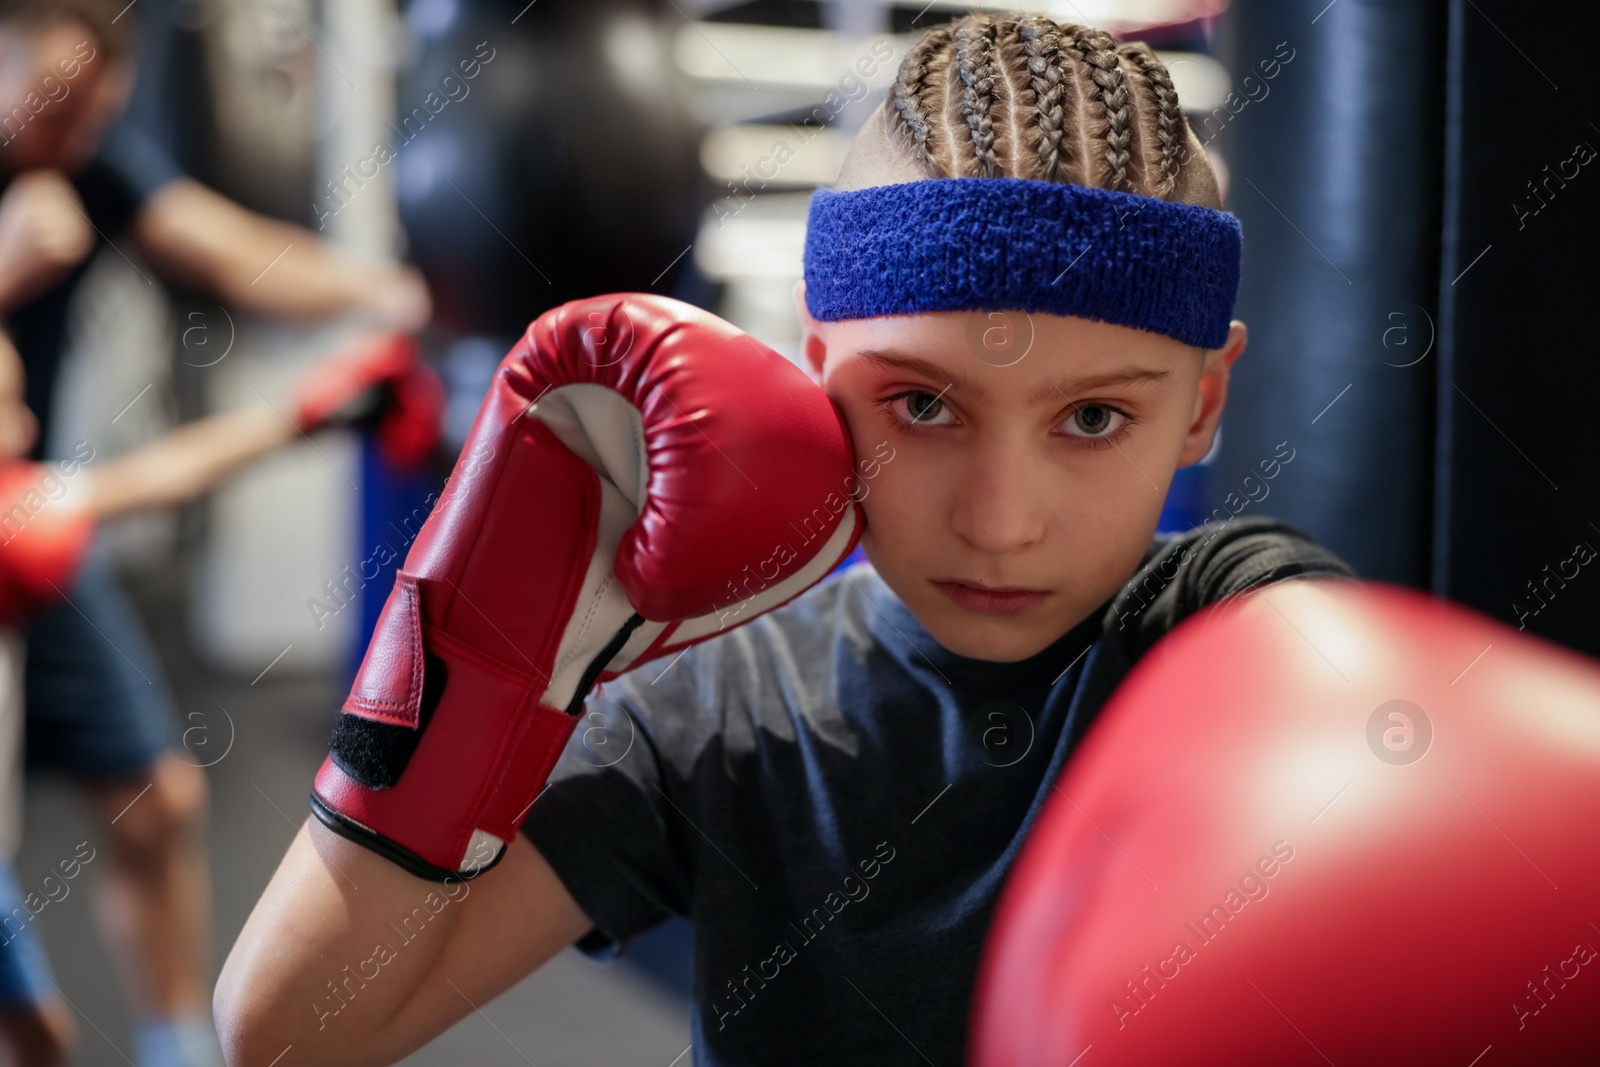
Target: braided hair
[[975, 64], [912, 88], [1024, 96]]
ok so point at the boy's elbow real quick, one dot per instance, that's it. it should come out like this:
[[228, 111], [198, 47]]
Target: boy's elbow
[[248, 1022], [256, 1022], [242, 1026], [262, 1012]]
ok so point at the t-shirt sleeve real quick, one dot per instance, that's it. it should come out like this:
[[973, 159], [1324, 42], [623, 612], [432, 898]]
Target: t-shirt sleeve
[[606, 823], [125, 172], [1258, 551], [1210, 564]]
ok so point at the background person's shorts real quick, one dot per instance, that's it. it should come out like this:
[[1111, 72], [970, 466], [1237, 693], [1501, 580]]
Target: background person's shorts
[[97, 701], [25, 977]]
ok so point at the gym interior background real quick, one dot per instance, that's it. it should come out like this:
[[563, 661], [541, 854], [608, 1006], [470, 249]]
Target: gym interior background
[[1416, 233]]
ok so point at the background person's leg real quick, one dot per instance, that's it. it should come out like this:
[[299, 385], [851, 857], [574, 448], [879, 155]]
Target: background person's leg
[[36, 1027], [154, 901], [98, 707]]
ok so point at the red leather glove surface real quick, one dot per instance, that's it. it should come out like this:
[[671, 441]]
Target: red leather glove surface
[[1355, 826], [641, 476], [42, 540]]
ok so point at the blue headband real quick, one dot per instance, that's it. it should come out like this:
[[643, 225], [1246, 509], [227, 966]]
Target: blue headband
[[998, 244]]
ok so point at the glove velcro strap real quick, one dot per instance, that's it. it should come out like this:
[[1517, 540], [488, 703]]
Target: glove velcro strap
[[483, 752], [397, 854]]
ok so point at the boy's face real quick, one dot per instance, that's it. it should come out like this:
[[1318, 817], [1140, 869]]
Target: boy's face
[[53, 119], [1001, 461]]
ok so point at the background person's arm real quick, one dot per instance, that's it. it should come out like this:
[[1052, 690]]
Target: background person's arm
[[185, 462], [379, 377], [201, 239], [326, 917]]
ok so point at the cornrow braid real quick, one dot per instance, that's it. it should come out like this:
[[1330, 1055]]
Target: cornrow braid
[[1171, 124], [1047, 77], [974, 63], [1037, 98], [910, 87], [1098, 49]]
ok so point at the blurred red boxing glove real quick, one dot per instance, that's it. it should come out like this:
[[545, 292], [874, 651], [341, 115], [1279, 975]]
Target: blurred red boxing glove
[[641, 476], [379, 379], [43, 539], [1352, 824]]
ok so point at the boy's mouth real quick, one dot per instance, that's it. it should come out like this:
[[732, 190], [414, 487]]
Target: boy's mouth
[[990, 600]]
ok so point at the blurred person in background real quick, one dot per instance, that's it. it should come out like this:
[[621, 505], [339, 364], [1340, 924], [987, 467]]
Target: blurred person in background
[[48, 512], [35, 1024], [98, 706]]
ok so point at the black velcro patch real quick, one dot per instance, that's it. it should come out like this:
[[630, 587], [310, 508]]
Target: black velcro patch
[[376, 753]]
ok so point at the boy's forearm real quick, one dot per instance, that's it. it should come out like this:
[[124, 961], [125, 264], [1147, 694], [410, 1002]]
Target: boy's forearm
[[362, 976], [338, 942]]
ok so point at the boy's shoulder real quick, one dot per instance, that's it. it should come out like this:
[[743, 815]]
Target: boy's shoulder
[[1215, 561]]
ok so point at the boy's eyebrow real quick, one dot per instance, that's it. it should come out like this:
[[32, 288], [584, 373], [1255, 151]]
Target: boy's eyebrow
[[893, 359]]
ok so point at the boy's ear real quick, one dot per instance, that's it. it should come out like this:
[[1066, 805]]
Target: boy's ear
[[812, 346], [1212, 394]]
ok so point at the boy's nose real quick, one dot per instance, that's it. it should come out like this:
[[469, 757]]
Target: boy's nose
[[1000, 501]]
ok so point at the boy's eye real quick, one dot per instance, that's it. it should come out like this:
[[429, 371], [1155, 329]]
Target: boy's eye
[[1094, 420], [916, 406]]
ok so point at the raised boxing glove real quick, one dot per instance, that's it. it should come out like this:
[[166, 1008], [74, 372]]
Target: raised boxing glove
[[641, 476], [1354, 824]]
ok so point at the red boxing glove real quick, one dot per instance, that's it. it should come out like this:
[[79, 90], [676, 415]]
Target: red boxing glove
[[379, 377], [1330, 835], [43, 540], [641, 476]]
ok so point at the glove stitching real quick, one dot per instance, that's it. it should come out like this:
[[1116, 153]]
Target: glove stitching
[[413, 703], [588, 619], [375, 705]]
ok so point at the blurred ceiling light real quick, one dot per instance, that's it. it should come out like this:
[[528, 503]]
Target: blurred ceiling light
[[762, 238], [1201, 81], [432, 18], [633, 49], [773, 55], [1116, 16], [801, 67], [699, 9], [751, 152]]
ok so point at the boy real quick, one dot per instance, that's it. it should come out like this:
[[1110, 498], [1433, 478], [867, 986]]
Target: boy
[[834, 792]]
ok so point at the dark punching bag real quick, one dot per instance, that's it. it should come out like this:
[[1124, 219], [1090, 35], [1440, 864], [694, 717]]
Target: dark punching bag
[[1518, 484], [568, 166], [1332, 140]]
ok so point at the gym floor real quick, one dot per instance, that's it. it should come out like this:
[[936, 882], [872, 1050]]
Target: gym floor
[[572, 1012]]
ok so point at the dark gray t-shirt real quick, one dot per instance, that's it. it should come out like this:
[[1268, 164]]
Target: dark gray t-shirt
[[834, 800]]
